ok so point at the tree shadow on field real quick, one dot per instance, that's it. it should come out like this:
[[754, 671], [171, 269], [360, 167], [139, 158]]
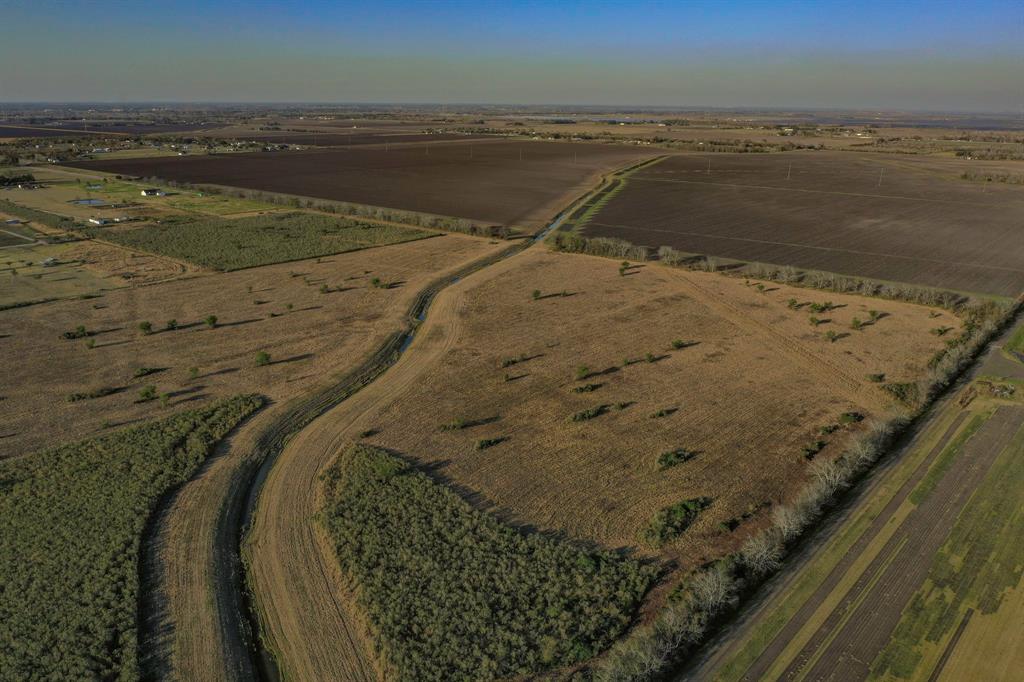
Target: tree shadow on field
[[240, 322], [226, 370], [294, 358], [112, 343], [186, 391], [600, 373], [191, 399]]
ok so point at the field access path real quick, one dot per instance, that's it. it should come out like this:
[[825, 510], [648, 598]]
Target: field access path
[[836, 630]]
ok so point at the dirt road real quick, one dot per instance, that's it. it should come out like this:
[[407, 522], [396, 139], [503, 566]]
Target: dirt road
[[292, 566]]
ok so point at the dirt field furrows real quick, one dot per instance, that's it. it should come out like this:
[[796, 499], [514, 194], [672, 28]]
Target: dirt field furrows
[[519, 183], [844, 646], [743, 400], [893, 218]]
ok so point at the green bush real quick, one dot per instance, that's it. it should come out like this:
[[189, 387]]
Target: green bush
[[79, 332], [674, 457], [262, 359], [468, 598], [584, 415], [672, 521], [71, 520]]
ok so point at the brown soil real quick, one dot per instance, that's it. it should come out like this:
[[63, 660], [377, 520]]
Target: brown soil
[[516, 183], [900, 218]]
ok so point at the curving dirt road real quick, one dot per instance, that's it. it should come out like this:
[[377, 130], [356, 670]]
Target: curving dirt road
[[313, 629]]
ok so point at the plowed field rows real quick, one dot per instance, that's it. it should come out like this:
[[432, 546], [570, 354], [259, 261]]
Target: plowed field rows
[[903, 219]]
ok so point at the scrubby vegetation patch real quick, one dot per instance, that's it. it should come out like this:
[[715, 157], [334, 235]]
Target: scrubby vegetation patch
[[455, 594], [71, 521]]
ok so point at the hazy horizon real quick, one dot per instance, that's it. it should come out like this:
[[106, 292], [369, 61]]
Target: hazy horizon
[[867, 56]]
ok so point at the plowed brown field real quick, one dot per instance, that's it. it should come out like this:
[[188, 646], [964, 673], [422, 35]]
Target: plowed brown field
[[906, 219], [516, 183]]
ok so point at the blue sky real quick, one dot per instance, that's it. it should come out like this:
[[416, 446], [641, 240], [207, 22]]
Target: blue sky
[[919, 55]]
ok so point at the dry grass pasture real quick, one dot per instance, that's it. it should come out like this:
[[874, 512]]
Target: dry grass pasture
[[276, 309], [747, 397], [755, 387]]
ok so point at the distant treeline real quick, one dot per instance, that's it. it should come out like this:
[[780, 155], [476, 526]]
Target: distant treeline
[[8, 180], [1006, 178]]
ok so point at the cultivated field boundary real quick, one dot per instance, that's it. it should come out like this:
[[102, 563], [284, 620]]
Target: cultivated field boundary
[[713, 595]]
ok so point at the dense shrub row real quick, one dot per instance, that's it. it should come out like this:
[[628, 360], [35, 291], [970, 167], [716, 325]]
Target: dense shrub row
[[345, 208], [453, 593], [10, 179], [570, 242], [226, 244], [683, 623], [71, 520]]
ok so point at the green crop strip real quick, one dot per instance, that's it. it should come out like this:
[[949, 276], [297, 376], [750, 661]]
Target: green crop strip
[[226, 244], [980, 561]]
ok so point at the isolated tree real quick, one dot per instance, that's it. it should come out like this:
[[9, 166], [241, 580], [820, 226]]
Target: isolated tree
[[146, 328], [171, 325], [211, 321], [262, 359]]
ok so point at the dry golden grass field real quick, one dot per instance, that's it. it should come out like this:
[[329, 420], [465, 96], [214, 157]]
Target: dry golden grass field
[[755, 387], [276, 309], [751, 390]]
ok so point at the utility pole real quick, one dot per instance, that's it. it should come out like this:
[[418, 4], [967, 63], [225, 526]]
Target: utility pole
[[709, 165], [789, 174], [880, 173]]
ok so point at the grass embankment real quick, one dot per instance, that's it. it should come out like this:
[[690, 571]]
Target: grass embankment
[[226, 245], [455, 594], [71, 522], [1015, 346]]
